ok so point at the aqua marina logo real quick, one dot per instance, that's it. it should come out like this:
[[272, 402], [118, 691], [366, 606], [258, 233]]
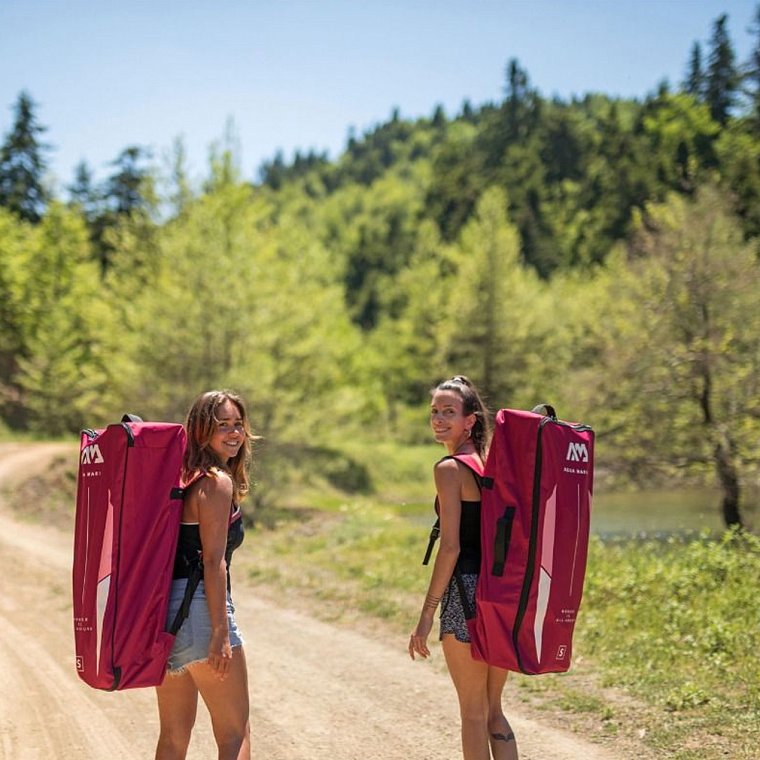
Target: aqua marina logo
[[577, 452], [92, 455]]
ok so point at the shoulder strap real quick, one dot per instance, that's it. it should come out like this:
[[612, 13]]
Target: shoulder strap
[[194, 579], [473, 463], [181, 491]]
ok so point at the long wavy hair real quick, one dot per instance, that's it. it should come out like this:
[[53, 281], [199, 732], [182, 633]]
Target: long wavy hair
[[472, 403], [200, 425]]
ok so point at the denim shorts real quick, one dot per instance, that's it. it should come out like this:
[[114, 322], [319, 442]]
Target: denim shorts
[[452, 611], [191, 644]]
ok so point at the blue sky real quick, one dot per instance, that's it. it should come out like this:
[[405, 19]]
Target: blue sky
[[299, 73]]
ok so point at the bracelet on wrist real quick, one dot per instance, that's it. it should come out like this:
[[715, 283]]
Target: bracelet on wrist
[[431, 601]]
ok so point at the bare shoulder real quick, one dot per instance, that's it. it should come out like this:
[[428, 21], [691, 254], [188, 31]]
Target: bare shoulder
[[446, 471], [216, 487]]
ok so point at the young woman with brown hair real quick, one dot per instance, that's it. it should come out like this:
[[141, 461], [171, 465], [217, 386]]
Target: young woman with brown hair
[[459, 421]]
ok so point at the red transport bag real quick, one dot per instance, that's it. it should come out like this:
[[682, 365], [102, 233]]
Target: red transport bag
[[535, 514], [129, 506]]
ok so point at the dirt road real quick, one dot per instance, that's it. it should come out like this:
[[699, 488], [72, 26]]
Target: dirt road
[[318, 691]]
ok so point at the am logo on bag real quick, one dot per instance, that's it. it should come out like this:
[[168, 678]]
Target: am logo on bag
[[577, 452], [92, 455]]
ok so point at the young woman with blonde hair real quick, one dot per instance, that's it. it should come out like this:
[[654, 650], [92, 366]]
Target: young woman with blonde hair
[[208, 657]]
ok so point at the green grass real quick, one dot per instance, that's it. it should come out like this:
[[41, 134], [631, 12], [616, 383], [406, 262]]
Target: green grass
[[677, 624]]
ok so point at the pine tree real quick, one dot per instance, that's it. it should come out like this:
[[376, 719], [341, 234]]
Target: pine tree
[[23, 164], [480, 321], [695, 78], [125, 189], [518, 99], [722, 78], [753, 71], [126, 197], [439, 117], [274, 172], [83, 193], [180, 192]]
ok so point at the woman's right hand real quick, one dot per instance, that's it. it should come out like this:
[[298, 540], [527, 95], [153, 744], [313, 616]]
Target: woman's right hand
[[418, 639], [220, 655]]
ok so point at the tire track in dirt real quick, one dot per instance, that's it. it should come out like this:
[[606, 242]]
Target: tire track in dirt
[[317, 690], [34, 696]]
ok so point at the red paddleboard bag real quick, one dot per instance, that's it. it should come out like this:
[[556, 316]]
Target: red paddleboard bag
[[128, 511], [535, 513]]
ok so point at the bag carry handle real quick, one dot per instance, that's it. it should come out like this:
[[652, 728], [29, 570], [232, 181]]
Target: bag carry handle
[[546, 409], [131, 418], [502, 539]]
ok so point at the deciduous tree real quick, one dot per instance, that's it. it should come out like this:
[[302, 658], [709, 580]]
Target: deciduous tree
[[681, 386], [491, 326]]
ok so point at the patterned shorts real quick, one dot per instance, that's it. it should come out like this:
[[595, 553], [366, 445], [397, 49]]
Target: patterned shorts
[[452, 612]]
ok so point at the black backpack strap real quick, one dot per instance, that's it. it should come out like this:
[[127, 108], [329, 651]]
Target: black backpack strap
[[196, 571], [184, 609], [469, 612], [435, 532]]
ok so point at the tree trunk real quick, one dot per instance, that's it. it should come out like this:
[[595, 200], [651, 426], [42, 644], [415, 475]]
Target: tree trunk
[[724, 452], [729, 482]]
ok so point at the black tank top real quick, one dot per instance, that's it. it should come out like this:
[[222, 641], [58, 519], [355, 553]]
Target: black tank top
[[190, 550], [469, 538], [469, 534]]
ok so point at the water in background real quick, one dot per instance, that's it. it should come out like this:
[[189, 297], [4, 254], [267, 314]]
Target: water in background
[[653, 513], [665, 512]]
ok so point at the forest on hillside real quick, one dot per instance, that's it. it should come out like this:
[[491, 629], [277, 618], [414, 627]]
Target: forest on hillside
[[599, 253]]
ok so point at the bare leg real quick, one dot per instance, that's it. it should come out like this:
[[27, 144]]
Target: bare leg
[[470, 680], [227, 703], [503, 744], [177, 707]]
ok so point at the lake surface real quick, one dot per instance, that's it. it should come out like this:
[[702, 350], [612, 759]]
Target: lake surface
[[664, 512], [653, 513]]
